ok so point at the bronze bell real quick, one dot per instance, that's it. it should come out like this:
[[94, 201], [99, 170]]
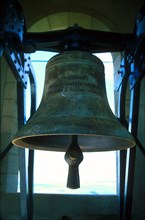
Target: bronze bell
[[74, 106]]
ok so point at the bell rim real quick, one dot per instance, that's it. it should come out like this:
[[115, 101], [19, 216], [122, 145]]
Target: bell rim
[[20, 142]]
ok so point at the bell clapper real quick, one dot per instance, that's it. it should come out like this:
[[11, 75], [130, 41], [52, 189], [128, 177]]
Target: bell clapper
[[73, 157]]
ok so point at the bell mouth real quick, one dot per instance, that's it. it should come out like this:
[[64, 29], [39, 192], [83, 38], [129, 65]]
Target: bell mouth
[[87, 142]]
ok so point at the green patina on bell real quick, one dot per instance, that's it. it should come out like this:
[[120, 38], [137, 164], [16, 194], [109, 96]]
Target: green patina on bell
[[74, 103]]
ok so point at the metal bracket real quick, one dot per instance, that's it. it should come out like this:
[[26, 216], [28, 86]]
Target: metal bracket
[[137, 73], [12, 25], [12, 20], [123, 72], [138, 54], [134, 63], [77, 38], [19, 64]]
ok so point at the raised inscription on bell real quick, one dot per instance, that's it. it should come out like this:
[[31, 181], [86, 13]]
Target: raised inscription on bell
[[73, 81]]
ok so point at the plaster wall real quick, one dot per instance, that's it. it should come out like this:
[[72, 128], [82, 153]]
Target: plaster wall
[[9, 165], [54, 207]]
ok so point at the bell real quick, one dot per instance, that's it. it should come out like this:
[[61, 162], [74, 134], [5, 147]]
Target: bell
[[74, 104]]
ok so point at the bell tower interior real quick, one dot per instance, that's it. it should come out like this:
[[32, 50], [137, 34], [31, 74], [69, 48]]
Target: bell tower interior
[[65, 23]]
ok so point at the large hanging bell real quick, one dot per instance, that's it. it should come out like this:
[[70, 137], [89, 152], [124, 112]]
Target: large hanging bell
[[74, 103]]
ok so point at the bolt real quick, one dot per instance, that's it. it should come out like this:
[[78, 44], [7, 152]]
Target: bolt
[[120, 71]]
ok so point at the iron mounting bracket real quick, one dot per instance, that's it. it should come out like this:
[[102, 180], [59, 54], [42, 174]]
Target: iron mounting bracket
[[12, 28], [135, 60]]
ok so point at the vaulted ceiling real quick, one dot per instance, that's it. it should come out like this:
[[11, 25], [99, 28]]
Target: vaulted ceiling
[[113, 15]]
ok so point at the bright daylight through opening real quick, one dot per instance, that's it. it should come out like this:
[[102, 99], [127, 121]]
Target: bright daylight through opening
[[98, 173]]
